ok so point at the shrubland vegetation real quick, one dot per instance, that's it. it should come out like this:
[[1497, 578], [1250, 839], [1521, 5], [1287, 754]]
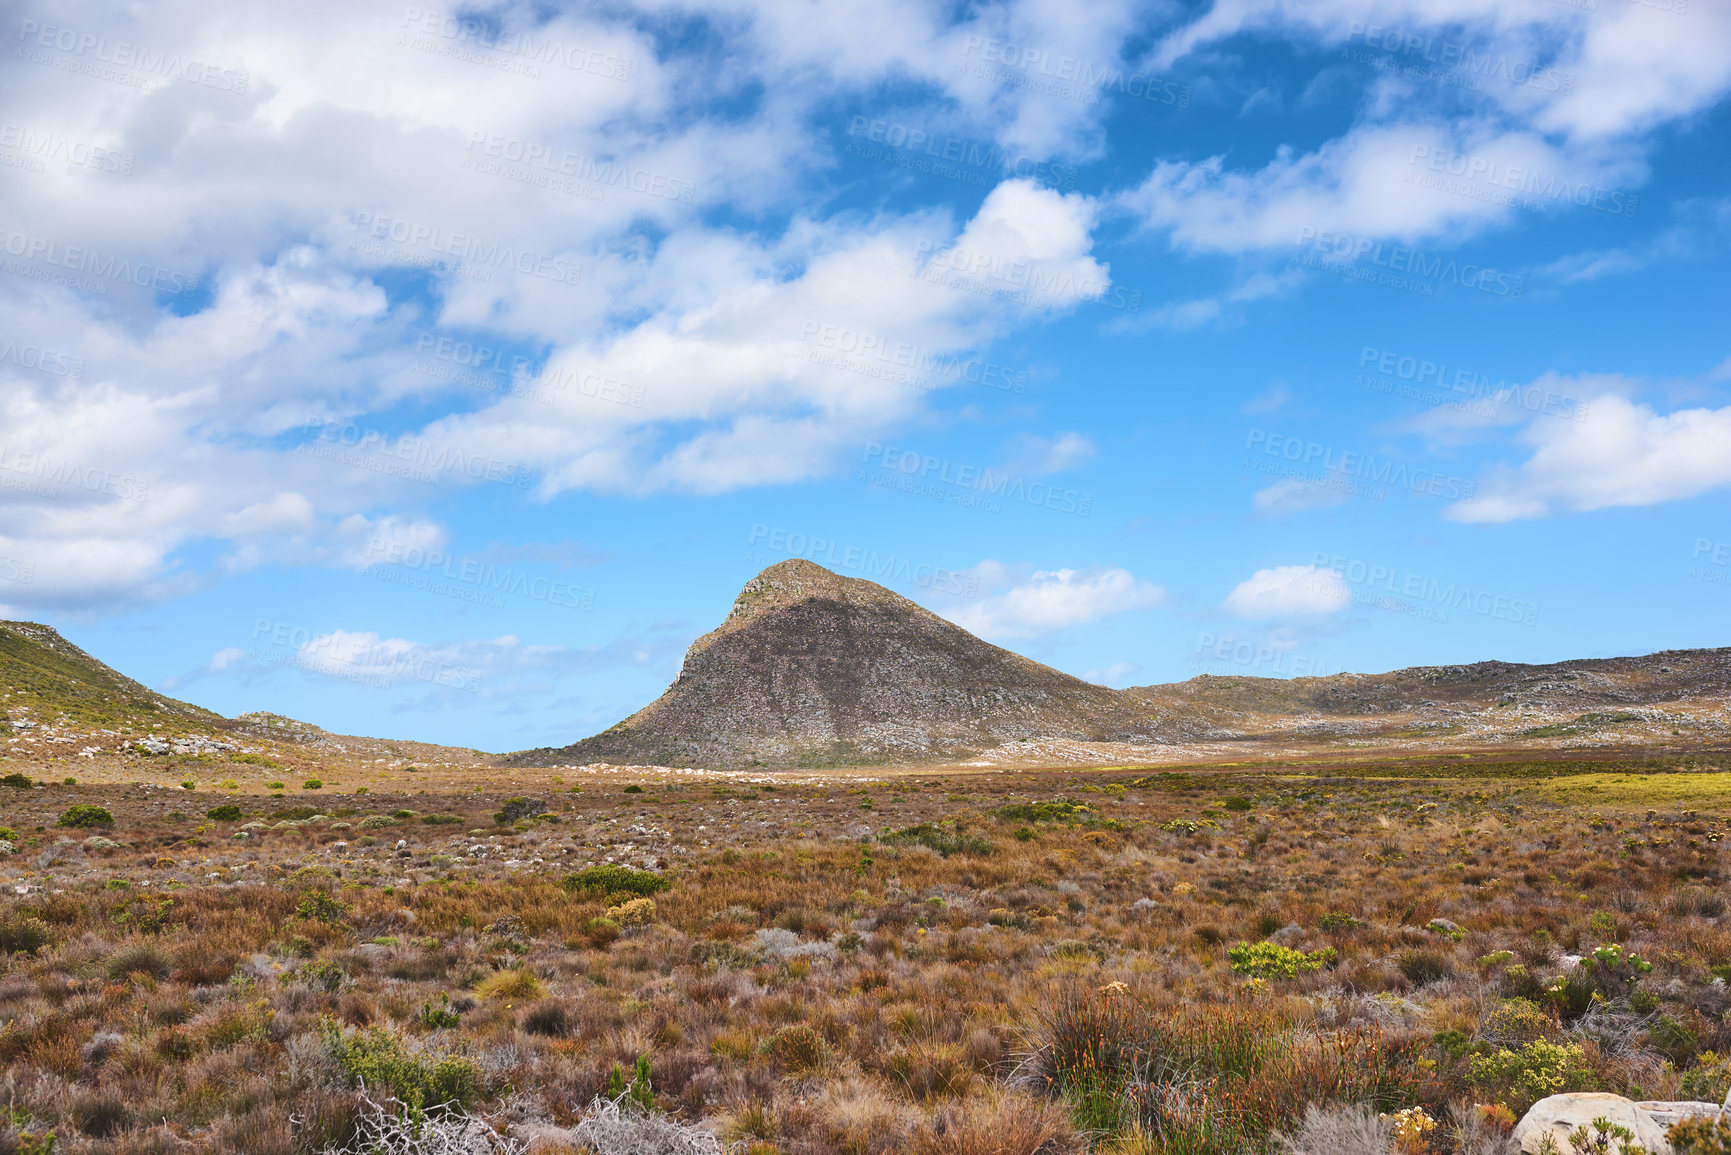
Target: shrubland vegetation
[[1125, 962]]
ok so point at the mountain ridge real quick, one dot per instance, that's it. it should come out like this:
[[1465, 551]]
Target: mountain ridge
[[810, 668]]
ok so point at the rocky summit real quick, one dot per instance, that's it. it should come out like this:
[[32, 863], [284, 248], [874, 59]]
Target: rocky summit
[[812, 668]]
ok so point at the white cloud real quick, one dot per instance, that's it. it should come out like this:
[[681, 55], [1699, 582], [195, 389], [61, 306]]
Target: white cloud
[[1050, 600], [1623, 454], [1117, 674], [1288, 591], [1293, 495], [1370, 184], [1629, 67]]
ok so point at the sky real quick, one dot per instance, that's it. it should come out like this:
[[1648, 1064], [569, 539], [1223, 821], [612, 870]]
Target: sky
[[442, 373]]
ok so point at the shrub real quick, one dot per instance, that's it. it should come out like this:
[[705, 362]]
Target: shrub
[[439, 1017], [1334, 922], [312, 784], [1538, 1069], [22, 934], [321, 907], [516, 808], [85, 815], [634, 913], [189, 784], [273, 786], [141, 958], [1270, 960], [945, 842], [227, 812], [7, 834], [1043, 812], [17, 781], [441, 819], [378, 1059], [69, 781], [1237, 803], [609, 879], [797, 1048], [1424, 966], [600, 932], [549, 1019], [321, 975], [1701, 1135], [516, 984]]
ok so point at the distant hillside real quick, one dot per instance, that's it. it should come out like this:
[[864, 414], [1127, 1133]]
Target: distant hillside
[[45, 680], [811, 668]]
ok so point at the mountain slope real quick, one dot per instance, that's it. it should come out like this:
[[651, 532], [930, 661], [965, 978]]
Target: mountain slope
[[45, 679], [811, 668]]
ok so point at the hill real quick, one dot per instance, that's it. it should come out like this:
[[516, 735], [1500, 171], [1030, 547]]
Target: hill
[[811, 668], [46, 681]]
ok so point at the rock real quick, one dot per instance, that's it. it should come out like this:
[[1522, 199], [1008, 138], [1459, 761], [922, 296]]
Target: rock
[[1670, 1112], [1558, 1115]]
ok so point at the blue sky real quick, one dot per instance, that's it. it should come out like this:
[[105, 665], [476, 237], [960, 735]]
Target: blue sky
[[442, 373]]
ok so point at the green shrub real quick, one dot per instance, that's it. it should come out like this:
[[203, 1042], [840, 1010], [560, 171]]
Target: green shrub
[[69, 782], [945, 842], [17, 781], [1270, 960], [1336, 921], [515, 809], [85, 815], [609, 879], [7, 834], [321, 975], [1059, 811], [312, 784], [189, 784], [442, 819], [1540, 1068], [1237, 803], [227, 812], [378, 1058], [273, 786], [634, 789], [318, 905]]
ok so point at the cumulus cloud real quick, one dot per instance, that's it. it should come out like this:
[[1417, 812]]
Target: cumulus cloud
[[1050, 600], [1288, 591], [1623, 454], [1627, 70], [1378, 181]]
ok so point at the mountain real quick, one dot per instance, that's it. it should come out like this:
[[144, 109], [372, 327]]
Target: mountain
[[813, 669], [45, 680]]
